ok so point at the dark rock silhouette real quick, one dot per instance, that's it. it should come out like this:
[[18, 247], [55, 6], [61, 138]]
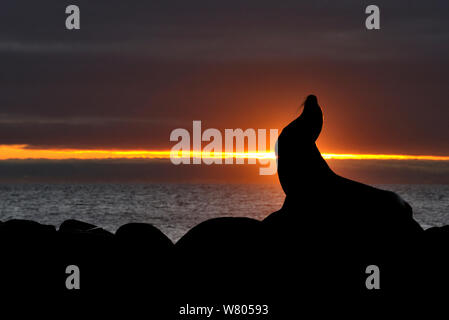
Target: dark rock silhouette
[[225, 253], [92, 250], [20, 229], [75, 226], [143, 248], [220, 260], [223, 234], [209, 245], [144, 263], [27, 247], [143, 236]]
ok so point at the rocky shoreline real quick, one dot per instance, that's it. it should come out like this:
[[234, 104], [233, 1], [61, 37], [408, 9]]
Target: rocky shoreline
[[224, 259]]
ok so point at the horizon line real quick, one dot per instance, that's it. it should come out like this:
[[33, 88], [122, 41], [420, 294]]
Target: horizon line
[[24, 152]]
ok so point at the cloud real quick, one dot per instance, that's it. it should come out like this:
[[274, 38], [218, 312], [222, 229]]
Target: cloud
[[229, 30], [393, 171], [7, 119], [149, 171]]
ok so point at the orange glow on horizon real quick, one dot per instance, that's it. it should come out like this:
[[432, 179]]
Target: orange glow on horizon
[[12, 152]]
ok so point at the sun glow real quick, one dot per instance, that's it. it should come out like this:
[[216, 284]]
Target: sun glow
[[9, 152]]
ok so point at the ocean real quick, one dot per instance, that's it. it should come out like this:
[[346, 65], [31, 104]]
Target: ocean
[[175, 208]]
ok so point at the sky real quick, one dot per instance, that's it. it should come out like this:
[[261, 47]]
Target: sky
[[133, 73]]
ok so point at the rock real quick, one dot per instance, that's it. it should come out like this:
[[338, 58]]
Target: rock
[[81, 236], [19, 228], [75, 226], [437, 231], [219, 235], [220, 258], [142, 236], [28, 252], [92, 250], [144, 259]]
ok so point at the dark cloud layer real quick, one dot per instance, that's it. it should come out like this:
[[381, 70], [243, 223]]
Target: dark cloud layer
[[153, 171]]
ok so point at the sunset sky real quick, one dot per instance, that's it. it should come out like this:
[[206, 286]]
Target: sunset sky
[[133, 73]]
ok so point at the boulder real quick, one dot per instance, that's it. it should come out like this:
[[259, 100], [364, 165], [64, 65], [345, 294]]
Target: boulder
[[92, 250], [143, 236], [220, 258], [28, 253], [220, 235], [75, 226], [143, 262], [19, 228], [442, 231]]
